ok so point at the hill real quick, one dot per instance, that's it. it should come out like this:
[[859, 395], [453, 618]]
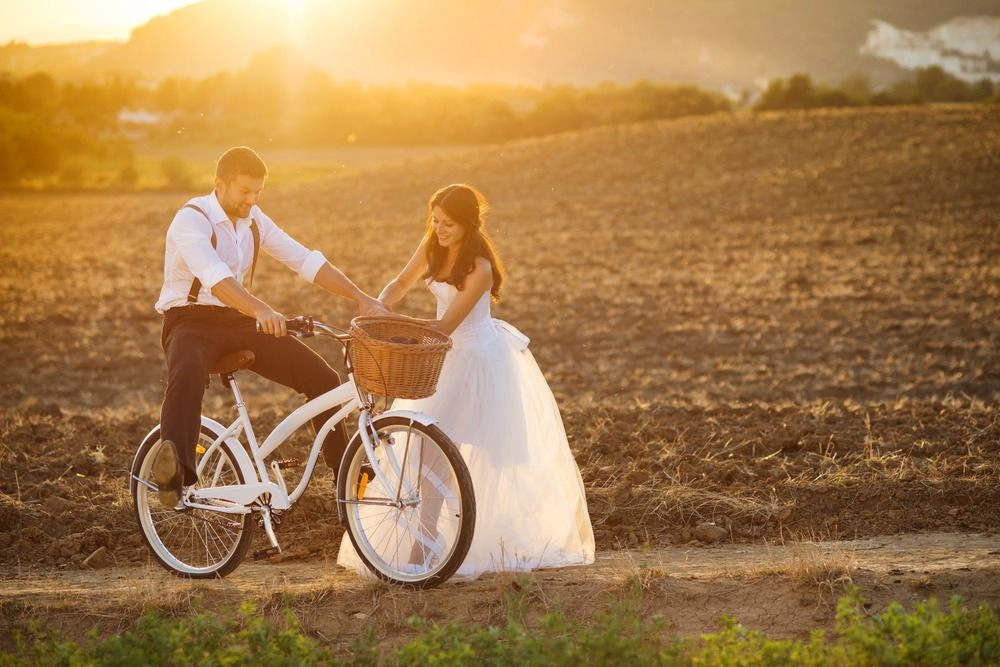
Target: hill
[[717, 43]]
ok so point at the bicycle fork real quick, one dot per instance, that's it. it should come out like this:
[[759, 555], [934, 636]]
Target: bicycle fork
[[370, 440]]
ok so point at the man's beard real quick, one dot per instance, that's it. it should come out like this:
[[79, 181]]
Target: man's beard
[[234, 210]]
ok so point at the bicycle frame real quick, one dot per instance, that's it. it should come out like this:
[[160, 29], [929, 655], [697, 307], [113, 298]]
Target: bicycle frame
[[265, 490], [254, 469]]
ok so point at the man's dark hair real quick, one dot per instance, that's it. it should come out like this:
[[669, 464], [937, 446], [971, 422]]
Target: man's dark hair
[[240, 160]]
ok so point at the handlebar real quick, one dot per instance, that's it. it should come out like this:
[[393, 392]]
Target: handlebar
[[305, 326], [301, 326]]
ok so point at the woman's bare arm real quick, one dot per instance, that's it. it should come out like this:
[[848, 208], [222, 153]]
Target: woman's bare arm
[[476, 284], [397, 288]]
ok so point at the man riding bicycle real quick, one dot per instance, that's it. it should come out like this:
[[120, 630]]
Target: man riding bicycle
[[211, 251]]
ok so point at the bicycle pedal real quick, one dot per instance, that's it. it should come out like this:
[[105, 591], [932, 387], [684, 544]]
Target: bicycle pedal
[[284, 464], [261, 554]]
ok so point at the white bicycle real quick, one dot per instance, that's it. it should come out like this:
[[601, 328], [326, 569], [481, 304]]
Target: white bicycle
[[404, 492]]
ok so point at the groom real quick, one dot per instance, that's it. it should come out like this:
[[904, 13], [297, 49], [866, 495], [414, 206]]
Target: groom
[[209, 311]]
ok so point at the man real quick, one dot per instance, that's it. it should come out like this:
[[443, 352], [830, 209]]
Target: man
[[211, 247]]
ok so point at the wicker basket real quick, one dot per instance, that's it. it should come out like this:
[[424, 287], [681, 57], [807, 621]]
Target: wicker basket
[[393, 357]]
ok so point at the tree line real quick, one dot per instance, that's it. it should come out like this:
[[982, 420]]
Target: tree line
[[49, 127], [928, 85]]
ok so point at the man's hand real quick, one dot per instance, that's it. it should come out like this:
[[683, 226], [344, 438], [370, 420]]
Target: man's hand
[[370, 307], [271, 322]]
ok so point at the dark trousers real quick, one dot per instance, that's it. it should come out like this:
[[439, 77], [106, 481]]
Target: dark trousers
[[195, 337]]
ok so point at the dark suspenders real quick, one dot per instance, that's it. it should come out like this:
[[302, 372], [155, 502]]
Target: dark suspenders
[[196, 284]]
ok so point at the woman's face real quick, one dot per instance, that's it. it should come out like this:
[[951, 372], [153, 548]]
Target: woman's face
[[449, 233]]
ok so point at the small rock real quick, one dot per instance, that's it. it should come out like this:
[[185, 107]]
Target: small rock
[[100, 558], [710, 533], [360, 616]]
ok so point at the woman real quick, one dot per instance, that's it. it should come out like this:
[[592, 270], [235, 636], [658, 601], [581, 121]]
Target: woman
[[493, 401]]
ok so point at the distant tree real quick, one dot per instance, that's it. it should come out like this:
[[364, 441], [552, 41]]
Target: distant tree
[[559, 110], [169, 94], [936, 85], [858, 87], [176, 173], [71, 174], [35, 144], [128, 175], [36, 94], [799, 92], [778, 96], [10, 161], [904, 91], [90, 104], [983, 90]]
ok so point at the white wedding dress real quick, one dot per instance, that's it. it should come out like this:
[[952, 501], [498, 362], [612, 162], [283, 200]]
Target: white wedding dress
[[494, 403]]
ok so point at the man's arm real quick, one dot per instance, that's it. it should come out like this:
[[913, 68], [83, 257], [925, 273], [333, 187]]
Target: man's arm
[[270, 321], [333, 280], [231, 293]]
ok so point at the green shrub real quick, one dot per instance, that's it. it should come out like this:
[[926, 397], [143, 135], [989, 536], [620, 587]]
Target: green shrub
[[926, 636], [205, 639]]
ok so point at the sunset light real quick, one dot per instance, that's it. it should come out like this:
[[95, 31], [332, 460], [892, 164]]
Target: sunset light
[[522, 332], [46, 21]]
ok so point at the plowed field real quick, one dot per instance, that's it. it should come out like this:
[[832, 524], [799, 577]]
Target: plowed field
[[785, 324]]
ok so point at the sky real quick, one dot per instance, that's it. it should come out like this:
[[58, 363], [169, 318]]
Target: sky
[[53, 21]]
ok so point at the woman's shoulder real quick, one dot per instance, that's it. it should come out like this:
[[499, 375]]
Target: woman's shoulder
[[483, 265]]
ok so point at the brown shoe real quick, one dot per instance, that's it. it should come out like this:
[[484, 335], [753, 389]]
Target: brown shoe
[[167, 474]]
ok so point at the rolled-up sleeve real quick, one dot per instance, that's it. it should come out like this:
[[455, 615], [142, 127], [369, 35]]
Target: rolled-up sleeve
[[312, 265], [192, 236], [278, 244]]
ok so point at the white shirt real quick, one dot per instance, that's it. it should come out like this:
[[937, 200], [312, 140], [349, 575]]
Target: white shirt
[[189, 252]]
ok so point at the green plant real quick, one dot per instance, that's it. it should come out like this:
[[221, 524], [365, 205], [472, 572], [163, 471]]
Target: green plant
[[243, 638], [925, 636]]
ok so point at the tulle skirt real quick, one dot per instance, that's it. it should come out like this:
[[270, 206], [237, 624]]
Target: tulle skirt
[[494, 403]]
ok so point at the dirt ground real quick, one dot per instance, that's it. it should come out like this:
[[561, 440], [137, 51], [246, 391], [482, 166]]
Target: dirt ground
[[783, 590], [785, 324]]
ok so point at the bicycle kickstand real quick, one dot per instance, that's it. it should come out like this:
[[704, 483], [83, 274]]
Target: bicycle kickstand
[[275, 548]]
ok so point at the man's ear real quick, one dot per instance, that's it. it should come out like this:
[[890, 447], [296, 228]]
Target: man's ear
[[219, 183]]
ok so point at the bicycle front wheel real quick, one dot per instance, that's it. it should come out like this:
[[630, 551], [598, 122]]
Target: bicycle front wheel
[[193, 543], [418, 531]]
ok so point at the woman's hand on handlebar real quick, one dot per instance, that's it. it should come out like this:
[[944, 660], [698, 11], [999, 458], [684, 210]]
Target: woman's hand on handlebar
[[271, 322]]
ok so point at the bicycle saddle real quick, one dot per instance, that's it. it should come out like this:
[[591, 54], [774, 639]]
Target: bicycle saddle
[[232, 362]]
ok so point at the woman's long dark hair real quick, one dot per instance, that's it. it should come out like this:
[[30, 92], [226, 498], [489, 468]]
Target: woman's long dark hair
[[467, 207]]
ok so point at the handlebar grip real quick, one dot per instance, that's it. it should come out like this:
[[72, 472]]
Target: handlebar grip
[[301, 326]]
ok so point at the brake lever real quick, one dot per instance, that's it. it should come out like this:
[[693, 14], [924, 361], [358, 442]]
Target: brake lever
[[301, 327]]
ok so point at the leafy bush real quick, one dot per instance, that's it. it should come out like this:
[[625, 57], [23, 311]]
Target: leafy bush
[[926, 636], [204, 639]]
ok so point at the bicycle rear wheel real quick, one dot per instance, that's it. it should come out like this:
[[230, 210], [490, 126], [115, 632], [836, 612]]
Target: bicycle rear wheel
[[193, 543], [417, 532]]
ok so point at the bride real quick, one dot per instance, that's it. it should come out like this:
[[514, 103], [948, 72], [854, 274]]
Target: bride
[[493, 401]]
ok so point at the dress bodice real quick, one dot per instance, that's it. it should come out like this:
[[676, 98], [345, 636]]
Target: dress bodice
[[477, 328]]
